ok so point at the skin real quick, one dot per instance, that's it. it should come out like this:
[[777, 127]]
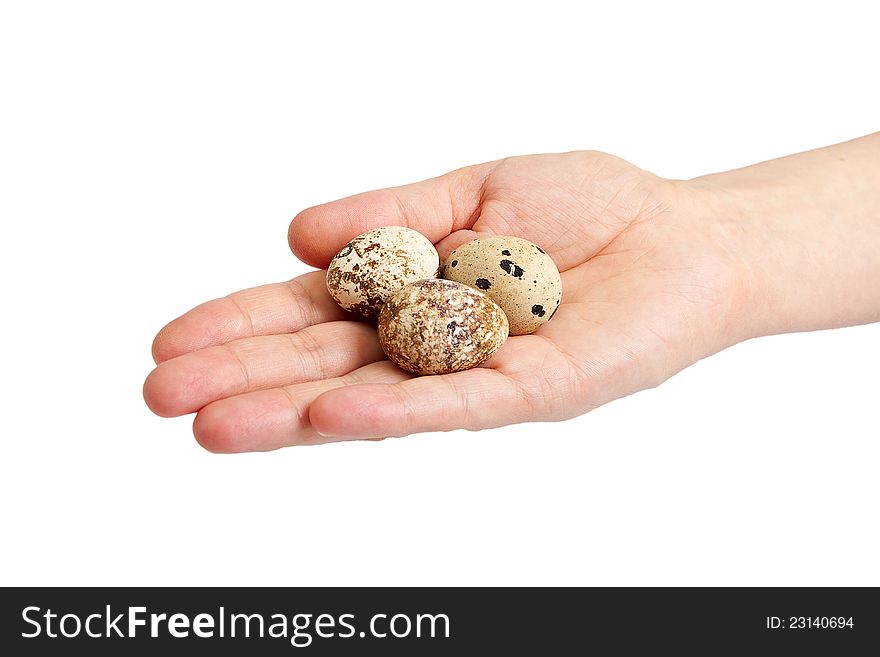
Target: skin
[[657, 274]]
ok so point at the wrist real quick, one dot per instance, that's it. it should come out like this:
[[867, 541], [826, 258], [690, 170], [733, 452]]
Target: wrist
[[722, 216]]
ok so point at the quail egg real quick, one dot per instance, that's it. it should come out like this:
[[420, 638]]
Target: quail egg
[[436, 326], [518, 275], [376, 264]]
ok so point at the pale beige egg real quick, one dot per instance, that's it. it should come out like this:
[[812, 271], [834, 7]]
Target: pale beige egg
[[376, 264], [518, 275], [435, 327]]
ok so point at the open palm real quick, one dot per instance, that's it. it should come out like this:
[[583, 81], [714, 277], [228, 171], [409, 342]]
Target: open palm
[[650, 285]]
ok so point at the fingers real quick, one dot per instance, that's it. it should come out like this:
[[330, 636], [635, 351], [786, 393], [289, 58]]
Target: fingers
[[475, 399], [187, 383], [265, 310], [434, 207], [279, 417]]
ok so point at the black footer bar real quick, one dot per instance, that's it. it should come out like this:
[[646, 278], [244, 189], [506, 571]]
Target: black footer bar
[[429, 621]]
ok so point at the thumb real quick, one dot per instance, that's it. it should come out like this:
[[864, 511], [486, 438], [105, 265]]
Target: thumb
[[434, 207]]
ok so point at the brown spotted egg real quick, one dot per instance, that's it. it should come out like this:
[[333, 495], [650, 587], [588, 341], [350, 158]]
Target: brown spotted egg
[[376, 264], [436, 327], [518, 275]]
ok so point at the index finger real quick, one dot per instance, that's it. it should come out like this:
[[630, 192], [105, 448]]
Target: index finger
[[265, 310], [434, 207]]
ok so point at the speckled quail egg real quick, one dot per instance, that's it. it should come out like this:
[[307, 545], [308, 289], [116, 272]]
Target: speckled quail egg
[[518, 275], [436, 326], [376, 264]]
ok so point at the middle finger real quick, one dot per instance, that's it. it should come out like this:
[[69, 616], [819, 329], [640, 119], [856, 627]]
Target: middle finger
[[187, 383]]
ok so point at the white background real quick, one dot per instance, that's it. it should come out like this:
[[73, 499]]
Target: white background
[[151, 157]]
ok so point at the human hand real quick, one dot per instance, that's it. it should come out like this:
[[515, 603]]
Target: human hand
[[650, 285]]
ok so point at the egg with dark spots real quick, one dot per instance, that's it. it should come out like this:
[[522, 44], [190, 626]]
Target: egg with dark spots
[[437, 326], [376, 264], [518, 275]]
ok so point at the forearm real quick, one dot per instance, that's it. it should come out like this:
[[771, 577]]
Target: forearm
[[808, 228]]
